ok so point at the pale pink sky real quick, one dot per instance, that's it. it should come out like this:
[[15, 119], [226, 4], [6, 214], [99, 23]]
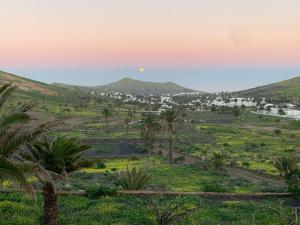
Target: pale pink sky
[[157, 33]]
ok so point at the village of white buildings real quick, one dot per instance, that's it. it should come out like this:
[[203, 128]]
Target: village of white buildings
[[199, 101]]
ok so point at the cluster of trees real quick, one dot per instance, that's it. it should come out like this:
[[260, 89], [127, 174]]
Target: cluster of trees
[[28, 151], [168, 122], [235, 111]]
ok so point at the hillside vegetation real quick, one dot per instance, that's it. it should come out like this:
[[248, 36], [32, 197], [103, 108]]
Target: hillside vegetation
[[288, 88], [25, 84]]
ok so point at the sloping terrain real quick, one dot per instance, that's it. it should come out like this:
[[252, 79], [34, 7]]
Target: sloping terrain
[[28, 85], [137, 87], [287, 88]]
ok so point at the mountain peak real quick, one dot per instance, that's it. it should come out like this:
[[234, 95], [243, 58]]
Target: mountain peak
[[131, 86]]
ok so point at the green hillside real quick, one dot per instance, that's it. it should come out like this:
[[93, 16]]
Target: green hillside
[[28, 90], [27, 85], [288, 88], [137, 87]]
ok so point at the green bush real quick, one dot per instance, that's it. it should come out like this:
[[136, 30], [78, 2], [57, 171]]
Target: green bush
[[179, 159], [85, 163], [100, 165], [214, 188], [98, 191], [134, 179], [277, 132], [249, 146], [245, 163], [134, 158]]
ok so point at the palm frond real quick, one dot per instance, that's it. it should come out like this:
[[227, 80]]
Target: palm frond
[[14, 118], [5, 91], [11, 171]]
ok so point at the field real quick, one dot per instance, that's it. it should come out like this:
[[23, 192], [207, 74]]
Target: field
[[15, 209], [249, 144]]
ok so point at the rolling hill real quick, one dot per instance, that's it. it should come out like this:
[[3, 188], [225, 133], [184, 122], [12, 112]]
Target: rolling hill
[[137, 87], [288, 88], [28, 86], [28, 89]]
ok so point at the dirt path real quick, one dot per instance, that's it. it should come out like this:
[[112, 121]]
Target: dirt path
[[234, 171], [253, 177]]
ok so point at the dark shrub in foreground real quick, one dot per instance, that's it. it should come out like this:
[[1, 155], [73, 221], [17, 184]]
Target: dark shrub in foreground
[[98, 191]]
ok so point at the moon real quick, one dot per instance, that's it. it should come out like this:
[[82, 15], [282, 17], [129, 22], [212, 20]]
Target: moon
[[141, 69]]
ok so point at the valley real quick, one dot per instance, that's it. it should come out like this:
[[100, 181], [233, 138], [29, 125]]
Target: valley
[[219, 146]]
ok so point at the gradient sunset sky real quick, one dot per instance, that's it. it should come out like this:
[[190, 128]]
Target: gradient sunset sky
[[208, 45]]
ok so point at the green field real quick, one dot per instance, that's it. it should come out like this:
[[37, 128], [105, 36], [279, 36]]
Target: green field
[[15, 209]]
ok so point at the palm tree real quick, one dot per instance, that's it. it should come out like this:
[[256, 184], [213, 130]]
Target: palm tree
[[106, 112], [173, 123], [53, 159], [13, 135], [149, 127], [126, 122]]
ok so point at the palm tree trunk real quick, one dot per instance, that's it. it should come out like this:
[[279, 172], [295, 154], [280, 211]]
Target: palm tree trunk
[[50, 205], [150, 148], [170, 148], [106, 122]]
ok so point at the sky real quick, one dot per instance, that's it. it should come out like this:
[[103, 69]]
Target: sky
[[208, 45]]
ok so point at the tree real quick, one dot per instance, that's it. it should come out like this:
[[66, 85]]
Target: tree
[[281, 112], [52, 159], [126, 122], [236, 111], [149, 127], [173, 123], [14, 135], [214, 109], [106, 112]]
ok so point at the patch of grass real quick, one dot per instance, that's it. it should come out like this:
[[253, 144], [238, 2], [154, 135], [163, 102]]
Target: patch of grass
[[15, 209]]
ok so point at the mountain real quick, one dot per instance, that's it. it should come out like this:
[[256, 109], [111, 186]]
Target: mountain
[[137, 87], [28, 86], [28, 90], [286, 88]]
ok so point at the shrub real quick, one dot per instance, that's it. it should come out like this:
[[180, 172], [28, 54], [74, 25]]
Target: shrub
[[113, 169], [214, 188], [262, 144], [100, 165], [85, 163], [134, 158], [245, 163], [171, 213], [286, 165], [98, 191], [218, 160], [179, 159], [249, 146], [233, 163], [226, 145], [134, 179], [277, 132]]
